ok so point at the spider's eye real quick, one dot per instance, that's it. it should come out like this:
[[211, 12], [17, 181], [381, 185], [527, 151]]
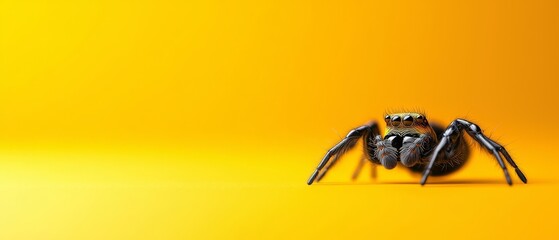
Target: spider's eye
[[387, 119], [408, 120], [396, 121]]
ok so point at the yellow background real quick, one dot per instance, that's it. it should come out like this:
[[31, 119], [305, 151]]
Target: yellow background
[[203, 119]]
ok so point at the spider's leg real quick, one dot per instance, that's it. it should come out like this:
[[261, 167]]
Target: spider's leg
[[331, 164], [442, 143], [339, 149], [373, 171], [334, 160], [359, 167], [475, 132], [502, 150]]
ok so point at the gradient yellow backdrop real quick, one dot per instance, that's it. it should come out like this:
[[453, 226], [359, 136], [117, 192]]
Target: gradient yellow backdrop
[[203, 119]]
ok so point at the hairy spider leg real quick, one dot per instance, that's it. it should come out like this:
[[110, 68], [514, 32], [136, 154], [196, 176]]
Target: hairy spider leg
[[342, 147], [503, 151], [360, 166], [333, 162], [476, 133]]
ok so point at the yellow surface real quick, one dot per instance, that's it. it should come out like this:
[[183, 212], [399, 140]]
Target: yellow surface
[[204, 119]]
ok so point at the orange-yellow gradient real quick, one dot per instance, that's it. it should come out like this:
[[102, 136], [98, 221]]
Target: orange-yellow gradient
[[203, 119]]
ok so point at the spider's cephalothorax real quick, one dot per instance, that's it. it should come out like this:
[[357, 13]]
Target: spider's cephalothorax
[[409, 139]]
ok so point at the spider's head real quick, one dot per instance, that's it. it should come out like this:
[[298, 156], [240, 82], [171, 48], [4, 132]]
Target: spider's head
[[408, 124]]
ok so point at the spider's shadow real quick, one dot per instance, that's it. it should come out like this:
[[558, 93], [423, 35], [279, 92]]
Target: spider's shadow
[[458, 181], [441, 182]]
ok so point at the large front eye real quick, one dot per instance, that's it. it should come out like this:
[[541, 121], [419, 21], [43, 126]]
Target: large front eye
[[387, 119], [396, 120], [408, 120]]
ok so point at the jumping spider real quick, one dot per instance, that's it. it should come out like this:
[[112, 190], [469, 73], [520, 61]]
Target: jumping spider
[[416, 144]]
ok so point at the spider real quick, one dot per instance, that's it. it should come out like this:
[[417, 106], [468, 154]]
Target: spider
[[410, 140]]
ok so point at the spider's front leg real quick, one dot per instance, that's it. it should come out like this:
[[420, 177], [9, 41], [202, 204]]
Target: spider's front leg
[[476, 133], [342, 147]]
